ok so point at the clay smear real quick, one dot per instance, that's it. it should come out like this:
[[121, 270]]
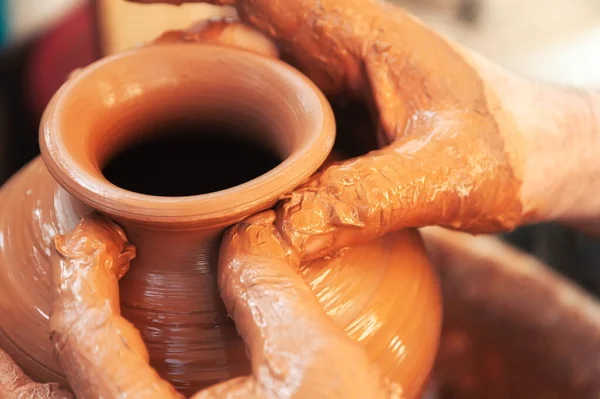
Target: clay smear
[[101, 353]]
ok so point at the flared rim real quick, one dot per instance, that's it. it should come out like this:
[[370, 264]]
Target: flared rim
[[87, 183]]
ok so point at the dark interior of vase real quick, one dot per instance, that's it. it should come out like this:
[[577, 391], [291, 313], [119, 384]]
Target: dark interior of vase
[[182, 158]]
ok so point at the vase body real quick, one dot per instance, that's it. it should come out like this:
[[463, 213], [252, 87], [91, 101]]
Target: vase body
[[384, 294]]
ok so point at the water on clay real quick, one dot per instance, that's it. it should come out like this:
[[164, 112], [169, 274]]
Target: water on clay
[[188, 159]]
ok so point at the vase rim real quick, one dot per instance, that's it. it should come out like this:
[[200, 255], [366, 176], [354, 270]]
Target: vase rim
[[174, 63]]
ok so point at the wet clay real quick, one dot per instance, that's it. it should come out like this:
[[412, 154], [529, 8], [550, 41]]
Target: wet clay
[[452, 158], [292, 342], [257, 266], [170, 293], [190, 338], [445, 162], [86, 326], [358, 298], [457, 153]]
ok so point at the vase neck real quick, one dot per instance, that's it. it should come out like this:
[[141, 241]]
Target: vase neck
[[160, 249], [170, 294]]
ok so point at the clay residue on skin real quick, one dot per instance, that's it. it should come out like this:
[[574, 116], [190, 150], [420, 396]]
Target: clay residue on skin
[[15, 384], [296, 349], [101, 353], [421, 88], [446, 161]]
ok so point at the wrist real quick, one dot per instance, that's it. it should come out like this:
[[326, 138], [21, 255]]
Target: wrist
[[562, 131], [552, 138]]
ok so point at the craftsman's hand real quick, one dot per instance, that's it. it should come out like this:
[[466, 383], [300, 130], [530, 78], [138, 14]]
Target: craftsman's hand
[[296, 349], [465, 145]]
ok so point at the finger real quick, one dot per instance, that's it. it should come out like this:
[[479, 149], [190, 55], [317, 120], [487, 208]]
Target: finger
[[14, 383], [101, 353], [226, 31], [445, 164], [414, 182], [293, 345]]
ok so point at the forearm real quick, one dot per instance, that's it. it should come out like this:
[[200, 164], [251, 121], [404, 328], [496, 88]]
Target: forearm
[[572, 154], [561, 127], [553, 134]]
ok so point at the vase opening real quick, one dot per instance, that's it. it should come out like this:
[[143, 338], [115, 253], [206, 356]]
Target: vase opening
[[219, 157]]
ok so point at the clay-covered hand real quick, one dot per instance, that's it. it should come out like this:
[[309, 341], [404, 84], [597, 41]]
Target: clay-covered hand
[[102, 354], [456, 150], [296, 350]]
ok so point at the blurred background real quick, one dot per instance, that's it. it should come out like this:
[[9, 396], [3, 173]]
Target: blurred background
[[42, 41]]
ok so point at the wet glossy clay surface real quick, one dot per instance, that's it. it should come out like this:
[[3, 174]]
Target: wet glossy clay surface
[[170, 292], [457, 152]]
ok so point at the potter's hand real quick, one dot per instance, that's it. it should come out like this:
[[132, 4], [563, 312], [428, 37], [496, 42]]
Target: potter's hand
[[295, 348], [463, 147], [101, 353]]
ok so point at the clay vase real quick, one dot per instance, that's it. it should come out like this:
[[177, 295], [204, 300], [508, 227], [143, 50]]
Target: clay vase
[[384, 294]]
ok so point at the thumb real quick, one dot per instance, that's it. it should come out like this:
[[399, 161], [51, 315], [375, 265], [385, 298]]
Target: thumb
[[414, 182]]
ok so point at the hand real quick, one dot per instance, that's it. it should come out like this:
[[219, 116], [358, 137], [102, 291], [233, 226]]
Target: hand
[[455, 153], [295, 348]]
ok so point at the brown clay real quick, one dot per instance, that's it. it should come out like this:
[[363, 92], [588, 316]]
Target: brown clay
[[458, 155], [464, 151], [294, 346], [86, 327], [170, 292], [360, 49]]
